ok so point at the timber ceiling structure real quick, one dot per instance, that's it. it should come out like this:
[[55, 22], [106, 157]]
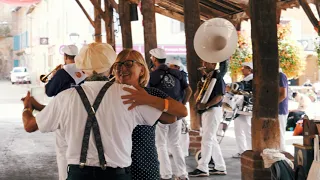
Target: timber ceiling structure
[[233, 10]]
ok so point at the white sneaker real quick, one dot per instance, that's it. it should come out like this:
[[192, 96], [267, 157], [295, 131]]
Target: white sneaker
[[238, 155]]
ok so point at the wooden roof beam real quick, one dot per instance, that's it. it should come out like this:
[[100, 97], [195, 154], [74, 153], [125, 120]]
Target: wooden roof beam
[[168, 13], [134, 1], [239, 2], [287, 4], [231, 5], [85, 12], [101, 12], [317, 4], [225, 6], [304, 4], [175, 15], [204, 8], [167, 4], [114, 5]]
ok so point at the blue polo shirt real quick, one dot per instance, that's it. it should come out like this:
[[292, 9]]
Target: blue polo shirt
[[170, 81], [59, 82], [219, 89], [283, 106]]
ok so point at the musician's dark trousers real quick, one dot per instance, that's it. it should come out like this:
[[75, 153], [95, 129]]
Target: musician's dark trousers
[[96, 173]]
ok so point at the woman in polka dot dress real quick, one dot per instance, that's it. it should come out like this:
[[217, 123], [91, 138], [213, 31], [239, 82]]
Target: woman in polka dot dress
[[145, 164], [130, 68]]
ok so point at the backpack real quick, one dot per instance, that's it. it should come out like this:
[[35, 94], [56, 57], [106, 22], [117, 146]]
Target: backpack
[[281, 170], [178, 94]]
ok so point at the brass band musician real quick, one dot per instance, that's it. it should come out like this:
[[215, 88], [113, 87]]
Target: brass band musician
[[242, 123], [211, 116], [66, 76]]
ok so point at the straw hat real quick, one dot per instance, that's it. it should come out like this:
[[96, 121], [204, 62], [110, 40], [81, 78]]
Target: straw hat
[[97, 57]]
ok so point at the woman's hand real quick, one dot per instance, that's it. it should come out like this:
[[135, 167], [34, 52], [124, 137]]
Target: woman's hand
[[137, 97]]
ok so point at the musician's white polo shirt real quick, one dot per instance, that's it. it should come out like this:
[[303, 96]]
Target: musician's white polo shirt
[[66, 112]]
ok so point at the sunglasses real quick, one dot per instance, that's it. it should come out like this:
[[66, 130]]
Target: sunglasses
[[128, 64]]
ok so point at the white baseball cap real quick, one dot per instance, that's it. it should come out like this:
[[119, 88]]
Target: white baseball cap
[[97, 57], [70, 50], [158, 53], [249, 64], [176, 62]]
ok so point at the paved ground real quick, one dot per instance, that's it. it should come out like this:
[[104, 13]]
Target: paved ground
[[26, 156]]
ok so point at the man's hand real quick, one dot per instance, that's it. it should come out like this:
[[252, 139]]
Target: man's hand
[[27, 101], [201, 106], [203, 72], [228, 88], [34, 103]]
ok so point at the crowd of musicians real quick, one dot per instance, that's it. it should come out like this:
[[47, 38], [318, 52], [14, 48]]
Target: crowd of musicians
[[114, 119]]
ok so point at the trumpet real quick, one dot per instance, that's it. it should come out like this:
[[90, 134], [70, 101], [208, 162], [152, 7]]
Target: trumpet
[[44, 78]]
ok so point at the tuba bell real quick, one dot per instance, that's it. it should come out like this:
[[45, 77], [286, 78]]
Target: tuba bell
[[215, 41], [44, 78]]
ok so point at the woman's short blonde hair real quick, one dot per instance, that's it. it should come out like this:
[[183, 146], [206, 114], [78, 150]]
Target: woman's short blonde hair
[[137, 56]]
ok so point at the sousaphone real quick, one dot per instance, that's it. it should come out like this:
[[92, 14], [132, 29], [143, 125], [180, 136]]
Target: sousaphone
[[215, 41]]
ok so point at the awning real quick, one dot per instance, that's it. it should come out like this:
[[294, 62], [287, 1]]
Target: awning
[[20, 2]]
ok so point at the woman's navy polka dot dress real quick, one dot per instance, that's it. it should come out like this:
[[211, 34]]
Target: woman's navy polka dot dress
[[145, 164]]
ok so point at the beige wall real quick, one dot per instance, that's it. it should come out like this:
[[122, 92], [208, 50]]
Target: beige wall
[[312, 71], [6, 43], [56, 19]]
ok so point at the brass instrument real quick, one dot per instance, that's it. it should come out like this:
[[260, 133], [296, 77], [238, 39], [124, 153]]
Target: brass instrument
[[44, 78], [215, 41], [205, 87]]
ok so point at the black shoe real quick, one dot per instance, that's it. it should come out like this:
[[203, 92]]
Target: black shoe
[[198, 173], [217, 172]]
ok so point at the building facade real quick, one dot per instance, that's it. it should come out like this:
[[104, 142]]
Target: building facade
[[41, 30]]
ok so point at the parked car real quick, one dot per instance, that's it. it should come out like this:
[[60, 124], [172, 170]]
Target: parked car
[[20, 75]]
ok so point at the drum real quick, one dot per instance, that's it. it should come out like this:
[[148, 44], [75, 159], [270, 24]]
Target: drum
[[247, 106], [232, 102], [246, 110]]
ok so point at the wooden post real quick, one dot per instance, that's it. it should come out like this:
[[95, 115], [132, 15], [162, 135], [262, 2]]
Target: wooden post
[[97, 23], [265, 124], [238, 25], [149, 28], [266, 77], [192, 23], [125, 24], [278, 14], [109, 25]]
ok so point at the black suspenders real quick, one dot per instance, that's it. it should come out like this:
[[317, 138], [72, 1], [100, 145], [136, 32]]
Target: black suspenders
[[92, 123]]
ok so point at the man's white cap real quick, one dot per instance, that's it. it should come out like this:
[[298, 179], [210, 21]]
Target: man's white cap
[[177, 62], [97, 57], [249, 64], [158, 53], [70, 50]]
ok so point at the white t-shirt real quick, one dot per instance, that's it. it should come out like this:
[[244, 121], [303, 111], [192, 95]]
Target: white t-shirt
[[77, 75], [67, 113]]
